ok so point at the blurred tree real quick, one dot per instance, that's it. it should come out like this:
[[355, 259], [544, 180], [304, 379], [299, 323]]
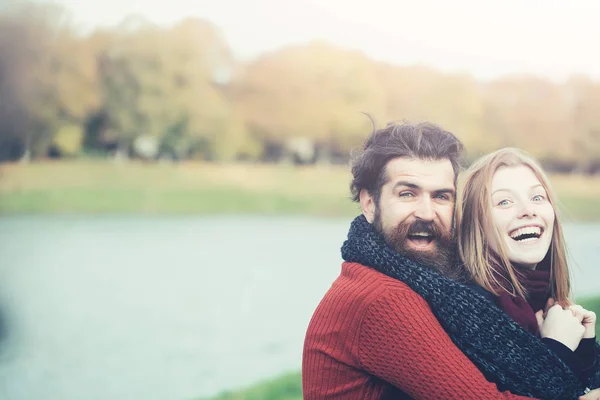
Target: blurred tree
[[527, 112], [583, 103], [13, 116], [314, 92], [177, 92], [51, 72], [165, 84], [452, 101]]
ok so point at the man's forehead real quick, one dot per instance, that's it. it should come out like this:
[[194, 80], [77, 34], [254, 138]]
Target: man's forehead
[[430, 172]]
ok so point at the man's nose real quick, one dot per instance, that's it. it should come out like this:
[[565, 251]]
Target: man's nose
[[424, 209]]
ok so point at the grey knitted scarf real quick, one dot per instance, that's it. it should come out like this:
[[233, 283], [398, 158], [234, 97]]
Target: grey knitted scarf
[[504, 352]]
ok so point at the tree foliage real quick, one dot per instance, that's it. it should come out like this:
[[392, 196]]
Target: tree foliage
[[180, 91]]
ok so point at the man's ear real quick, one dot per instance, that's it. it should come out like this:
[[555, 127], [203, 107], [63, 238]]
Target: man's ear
[[367, 205]]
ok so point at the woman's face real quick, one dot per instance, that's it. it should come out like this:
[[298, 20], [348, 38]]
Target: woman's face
[[522, 214]]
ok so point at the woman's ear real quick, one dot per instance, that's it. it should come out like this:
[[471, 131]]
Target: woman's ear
[[367, 205]]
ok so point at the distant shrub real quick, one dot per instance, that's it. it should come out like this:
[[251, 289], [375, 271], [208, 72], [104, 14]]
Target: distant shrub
[[68, 140]]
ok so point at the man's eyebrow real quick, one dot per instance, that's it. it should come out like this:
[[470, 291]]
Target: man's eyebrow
[[447, 190], [407, 184], [417, 187]]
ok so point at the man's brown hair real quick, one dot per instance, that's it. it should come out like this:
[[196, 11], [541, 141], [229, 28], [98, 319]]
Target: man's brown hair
[[423, 141]]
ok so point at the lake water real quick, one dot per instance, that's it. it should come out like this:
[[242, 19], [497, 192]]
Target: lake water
[[114, 307]]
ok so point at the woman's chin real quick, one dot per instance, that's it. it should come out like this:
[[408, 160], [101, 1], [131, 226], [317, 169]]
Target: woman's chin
[[527, 261], [528, 254]]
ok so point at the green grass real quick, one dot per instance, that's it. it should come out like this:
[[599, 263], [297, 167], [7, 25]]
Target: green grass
[[580, 207], [289, 386], [195, 188], [102, 187], [286, 387], [211, 200]]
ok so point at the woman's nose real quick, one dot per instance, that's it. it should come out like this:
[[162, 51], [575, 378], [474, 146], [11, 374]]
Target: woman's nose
[[527, 210]]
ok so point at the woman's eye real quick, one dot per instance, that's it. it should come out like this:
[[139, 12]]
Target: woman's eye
[[538, 197], [504, 202]]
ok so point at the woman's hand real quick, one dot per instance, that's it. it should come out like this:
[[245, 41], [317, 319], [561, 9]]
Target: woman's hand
[[588, 319], [593, 395], [561, 325]]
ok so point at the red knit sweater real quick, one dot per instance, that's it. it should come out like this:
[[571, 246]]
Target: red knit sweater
[[372, 337]]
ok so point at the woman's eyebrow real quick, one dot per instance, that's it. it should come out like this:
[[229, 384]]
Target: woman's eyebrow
[[501, 190]]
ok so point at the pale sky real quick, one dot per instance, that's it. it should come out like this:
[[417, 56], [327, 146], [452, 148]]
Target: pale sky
[[551, 38]]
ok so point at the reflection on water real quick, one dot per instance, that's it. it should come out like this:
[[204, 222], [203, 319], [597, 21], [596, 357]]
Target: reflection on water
[[170, 308]]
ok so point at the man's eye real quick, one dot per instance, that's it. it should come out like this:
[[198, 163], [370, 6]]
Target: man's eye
[[442, 197], [405, 194]]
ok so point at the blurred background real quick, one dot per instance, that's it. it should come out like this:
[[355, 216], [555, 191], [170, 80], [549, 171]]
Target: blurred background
[[174, 175]]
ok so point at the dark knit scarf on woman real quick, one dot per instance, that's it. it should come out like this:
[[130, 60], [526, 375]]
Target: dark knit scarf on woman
[[506, 354], [537, 283]]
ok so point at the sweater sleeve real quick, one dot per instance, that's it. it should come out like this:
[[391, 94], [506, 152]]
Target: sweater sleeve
[[403, 343], [581, 361], [586, 351]]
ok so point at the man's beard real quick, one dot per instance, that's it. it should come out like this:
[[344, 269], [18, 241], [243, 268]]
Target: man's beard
[[443, 257]]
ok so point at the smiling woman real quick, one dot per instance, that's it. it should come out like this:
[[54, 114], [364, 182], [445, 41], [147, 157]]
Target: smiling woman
[[511, 243], [504, 197]]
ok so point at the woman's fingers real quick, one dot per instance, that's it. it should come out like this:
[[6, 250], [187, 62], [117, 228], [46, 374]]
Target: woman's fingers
[[593, 395], [578, 311], [540, 318]]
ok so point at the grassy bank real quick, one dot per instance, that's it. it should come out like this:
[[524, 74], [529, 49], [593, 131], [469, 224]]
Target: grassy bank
[[289, 386], [286, 387], [195, 188], [101, 187]]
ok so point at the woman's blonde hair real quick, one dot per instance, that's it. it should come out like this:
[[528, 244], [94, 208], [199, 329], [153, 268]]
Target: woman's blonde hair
[[491, 269]]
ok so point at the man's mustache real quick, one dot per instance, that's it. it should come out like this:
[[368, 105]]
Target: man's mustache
[[420, 226]]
